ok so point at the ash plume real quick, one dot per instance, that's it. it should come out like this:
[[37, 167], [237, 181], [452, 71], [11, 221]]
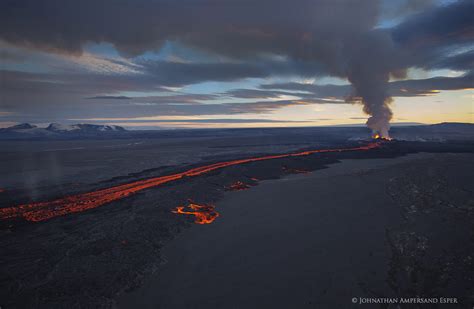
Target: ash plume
[[372, 60], [376, 102]]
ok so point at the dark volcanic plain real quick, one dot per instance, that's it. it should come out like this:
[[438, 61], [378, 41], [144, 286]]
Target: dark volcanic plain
[[413, 236]]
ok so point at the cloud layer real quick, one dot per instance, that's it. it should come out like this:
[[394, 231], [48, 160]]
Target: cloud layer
[[44, 44]]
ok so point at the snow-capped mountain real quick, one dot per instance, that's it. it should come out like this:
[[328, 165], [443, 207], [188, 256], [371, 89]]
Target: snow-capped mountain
[[22, 126], [57, 127], [57, 130]]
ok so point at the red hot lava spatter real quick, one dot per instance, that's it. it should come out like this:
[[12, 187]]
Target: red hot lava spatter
[[238, 186], [205, 214], [40, 211]]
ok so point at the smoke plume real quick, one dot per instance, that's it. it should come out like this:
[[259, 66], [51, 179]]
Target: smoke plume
[[373, 91], [372, 60]]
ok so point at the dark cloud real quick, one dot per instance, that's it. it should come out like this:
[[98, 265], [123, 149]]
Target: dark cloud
[[19, 83], [179, 74], [109, 97], [68, 96], [460, 62], [428, 86], [8, 56], [125, 109], [403, 88], [161, 99], [322, 31], [438, 26], [58, 96], [175, 99], [239, 28], [154, 76], [428, 39], [207, 120]]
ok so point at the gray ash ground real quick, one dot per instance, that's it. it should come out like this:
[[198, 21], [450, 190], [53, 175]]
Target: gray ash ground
[[86, 260], [433, 249]]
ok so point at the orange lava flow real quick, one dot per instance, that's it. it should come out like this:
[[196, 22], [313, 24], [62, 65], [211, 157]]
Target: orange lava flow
[[238, 186], [40, 211], [205, 214]]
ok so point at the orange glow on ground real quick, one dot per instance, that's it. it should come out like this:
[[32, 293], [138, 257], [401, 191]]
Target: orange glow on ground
[[377, 136], [238, 186], [205, 214], [40, 211]]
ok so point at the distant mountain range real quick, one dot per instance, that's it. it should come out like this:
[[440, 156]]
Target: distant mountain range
[[92, 128], [56, 131]]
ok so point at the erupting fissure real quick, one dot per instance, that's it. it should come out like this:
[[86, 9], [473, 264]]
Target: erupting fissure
[[377, 136], [40, 211]]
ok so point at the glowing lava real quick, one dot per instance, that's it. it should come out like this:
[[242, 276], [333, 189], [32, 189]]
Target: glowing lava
[[40, 211], [238, 186], [377, 136], [205, 214]]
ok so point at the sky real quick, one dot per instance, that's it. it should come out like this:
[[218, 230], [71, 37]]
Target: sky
[[236, 63]]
